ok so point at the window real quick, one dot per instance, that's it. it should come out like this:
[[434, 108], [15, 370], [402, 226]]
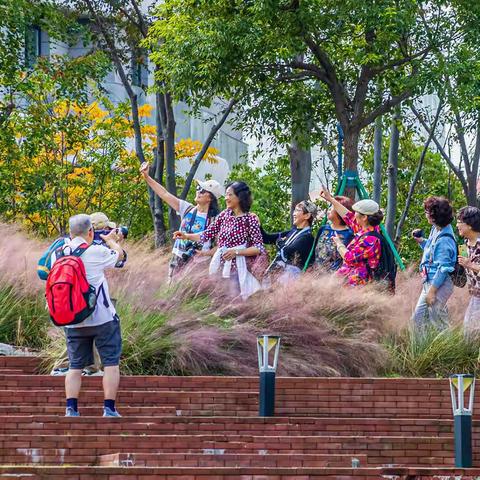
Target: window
[[139, 70], [33, 45]]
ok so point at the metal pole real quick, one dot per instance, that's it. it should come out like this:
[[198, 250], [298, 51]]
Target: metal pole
[[267, 394]]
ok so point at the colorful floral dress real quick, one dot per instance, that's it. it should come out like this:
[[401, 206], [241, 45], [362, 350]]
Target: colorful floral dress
[[363, 253]]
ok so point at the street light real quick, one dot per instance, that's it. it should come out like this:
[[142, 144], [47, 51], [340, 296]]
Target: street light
[[462, 387], [268, 347]]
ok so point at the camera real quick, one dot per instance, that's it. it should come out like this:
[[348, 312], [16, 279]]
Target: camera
[[418, 233], [97, 239], [190, 250]]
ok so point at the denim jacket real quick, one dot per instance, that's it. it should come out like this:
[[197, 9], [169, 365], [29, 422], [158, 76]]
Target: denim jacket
[[439, 257]]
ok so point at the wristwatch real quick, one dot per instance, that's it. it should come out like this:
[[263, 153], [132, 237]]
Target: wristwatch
[[237, 252]]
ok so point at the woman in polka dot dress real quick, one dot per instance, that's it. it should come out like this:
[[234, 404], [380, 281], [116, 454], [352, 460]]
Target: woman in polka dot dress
[[236, 230]]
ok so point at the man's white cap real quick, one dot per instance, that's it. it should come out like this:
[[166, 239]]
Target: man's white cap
[[100, 220], [213, 187], [366, 207]]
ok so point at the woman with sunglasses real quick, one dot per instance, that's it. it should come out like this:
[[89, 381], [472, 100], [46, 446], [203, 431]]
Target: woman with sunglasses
[[194, 218], [294, 245]]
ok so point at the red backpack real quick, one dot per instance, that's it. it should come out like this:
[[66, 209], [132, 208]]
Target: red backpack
[[71, 299]]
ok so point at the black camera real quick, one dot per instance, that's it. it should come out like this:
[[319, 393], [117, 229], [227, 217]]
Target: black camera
[[97, 239], [418, 233], [190, 249]]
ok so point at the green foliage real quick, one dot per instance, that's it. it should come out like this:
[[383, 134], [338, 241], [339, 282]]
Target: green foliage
[[23, 318], [435, 179], [270, 187], [432, 354], [296, 65]]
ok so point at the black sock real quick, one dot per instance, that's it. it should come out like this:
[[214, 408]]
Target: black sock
[[73, 403], [110, 404]]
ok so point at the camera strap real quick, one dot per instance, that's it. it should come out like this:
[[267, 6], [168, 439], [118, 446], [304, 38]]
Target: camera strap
[[191, 222]]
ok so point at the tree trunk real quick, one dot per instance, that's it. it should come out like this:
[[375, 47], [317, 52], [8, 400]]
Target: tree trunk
[[156, 203], [301, 172], [350, 145], [393, 175], [377, 160], [169, 137]]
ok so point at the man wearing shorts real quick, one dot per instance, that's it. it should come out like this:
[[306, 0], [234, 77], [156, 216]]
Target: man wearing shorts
[[102, 327]]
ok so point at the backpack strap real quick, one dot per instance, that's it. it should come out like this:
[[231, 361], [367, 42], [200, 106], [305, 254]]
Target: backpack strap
[[80, 250]]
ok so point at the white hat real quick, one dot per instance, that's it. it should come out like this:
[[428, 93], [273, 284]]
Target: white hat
[[366, 207], [213, 187], [100, 220]]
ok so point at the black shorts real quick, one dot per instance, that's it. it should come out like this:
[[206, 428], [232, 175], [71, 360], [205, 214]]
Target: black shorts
[[107, 338]]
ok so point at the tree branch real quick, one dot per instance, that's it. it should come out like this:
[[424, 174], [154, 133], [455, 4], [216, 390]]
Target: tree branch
[[416, 176], [206, 145], [442, 151], [385, 107]]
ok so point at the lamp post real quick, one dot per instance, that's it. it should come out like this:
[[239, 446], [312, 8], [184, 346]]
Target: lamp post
[[462, 389], [268, 347]]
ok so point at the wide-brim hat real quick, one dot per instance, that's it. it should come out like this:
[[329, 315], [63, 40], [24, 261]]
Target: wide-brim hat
[[213, 187]]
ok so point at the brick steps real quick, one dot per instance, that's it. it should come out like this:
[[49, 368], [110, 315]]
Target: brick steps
[[185, 473], [232, 403], [78, 449], [54, 425], [86, 410], [187, 428], [226, 460]]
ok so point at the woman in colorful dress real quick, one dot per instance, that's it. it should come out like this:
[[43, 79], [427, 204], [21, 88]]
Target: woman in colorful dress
[[238, 238], [468, 224], [362, 255]]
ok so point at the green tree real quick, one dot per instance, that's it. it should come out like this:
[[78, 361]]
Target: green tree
[[296, 66]]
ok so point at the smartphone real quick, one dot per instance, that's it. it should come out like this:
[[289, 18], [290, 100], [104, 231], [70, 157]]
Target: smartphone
[[418, 233], [463, 250]]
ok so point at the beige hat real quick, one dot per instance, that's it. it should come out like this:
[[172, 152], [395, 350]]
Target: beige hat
[[100, 220], [213, 187], [366, 207]]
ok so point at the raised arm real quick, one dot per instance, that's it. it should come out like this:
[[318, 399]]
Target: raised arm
[[160, 190], [328, 197]]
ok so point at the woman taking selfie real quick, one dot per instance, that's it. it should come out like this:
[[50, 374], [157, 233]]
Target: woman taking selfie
[[238, 238], [194, 218]]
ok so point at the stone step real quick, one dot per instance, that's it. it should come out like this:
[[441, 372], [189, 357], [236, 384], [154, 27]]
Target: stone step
[[85, 449], [243, 403], [237, 460], [185, 473], [59, 425]]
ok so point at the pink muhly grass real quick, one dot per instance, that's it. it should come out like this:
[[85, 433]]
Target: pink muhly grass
[[327, 329]]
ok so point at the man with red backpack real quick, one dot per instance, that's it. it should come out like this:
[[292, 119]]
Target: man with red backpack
[[78, 299]]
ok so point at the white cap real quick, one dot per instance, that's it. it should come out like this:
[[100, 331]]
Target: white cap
[[213, 187], [366, 207], [100, 220]]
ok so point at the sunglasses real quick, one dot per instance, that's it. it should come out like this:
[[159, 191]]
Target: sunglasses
[[201, 190]]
